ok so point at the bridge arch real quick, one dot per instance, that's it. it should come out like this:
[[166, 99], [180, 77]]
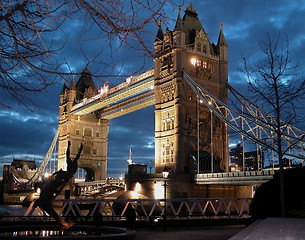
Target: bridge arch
[[204, 161], [90, 174]]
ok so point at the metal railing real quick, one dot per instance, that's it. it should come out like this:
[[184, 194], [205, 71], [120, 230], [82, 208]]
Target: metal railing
[[148, 209]]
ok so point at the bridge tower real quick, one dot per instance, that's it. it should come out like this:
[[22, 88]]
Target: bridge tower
[[178, 112], [87, 129]]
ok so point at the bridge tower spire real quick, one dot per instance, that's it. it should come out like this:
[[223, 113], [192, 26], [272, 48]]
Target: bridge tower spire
[[177, 115]]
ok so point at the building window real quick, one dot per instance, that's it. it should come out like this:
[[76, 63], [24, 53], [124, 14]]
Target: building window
[[87, 150], [210, 66], [204, 48], [163, 153], [198, 47], [204, 64], [94, 152], [97, 134], [77, 132], [88, 132], [168, 124]]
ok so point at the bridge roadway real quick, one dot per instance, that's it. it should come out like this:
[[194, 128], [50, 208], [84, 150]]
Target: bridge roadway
[[235, 177], [139, 87], [94, 187]]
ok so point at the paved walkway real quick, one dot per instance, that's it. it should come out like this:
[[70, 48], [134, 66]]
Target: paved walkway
[[206, 233], [274, 228], [265, 229]]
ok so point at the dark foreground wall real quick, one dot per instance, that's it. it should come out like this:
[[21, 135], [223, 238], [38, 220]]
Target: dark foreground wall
[[266, 201]]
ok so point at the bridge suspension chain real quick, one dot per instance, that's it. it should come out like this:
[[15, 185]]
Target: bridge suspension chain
[[45, 161], [250, 121]]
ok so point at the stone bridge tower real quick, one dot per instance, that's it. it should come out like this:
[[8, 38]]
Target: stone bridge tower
[[87, 129], [177, 118]]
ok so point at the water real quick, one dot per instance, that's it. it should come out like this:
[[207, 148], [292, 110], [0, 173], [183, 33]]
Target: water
[[17, 210]]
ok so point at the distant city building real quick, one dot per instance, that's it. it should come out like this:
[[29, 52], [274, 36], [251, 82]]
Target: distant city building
[[137, 168], [253, 160], [21, 169], [18, 171]]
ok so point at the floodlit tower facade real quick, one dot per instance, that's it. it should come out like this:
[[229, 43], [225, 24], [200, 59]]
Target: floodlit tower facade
[[87, 129], [188, 138]]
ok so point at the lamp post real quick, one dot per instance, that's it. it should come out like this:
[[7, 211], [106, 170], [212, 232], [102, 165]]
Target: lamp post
[[150, 162], [165, 174]]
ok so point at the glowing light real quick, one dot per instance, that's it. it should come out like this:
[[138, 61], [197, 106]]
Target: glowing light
[[193, 61], [38, 191], [135, 193], [159, 190], [165, 172], [137, 187], [104, 89], [128, 80]]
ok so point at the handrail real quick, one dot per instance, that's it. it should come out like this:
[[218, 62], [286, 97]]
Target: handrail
[[177, 208]]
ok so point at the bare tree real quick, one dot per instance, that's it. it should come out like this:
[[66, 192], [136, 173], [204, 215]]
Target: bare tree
[[28, 47], [24, 50], [277, 88]]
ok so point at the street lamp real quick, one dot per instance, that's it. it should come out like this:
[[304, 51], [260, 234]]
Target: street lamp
[[165, 174]]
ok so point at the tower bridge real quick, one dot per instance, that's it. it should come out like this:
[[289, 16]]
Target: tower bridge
[[189, 88], [186, 48]]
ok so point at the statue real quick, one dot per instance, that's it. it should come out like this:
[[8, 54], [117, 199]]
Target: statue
[[58, 181]]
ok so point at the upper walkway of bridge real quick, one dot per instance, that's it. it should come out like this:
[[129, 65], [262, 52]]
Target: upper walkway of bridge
[[133, 94]]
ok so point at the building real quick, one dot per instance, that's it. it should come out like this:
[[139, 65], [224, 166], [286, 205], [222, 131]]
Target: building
[[88, 129], [253, 159], [22, 170], [187, 136]]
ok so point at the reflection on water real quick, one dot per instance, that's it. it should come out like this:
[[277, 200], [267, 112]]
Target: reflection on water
[[47, 233], [37, 231], [18, 210]]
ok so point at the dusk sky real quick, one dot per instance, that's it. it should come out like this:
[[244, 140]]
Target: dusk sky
[[28, 134]]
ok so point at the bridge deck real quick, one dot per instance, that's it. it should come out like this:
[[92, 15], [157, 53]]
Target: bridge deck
[[137, 85], [235, 177]]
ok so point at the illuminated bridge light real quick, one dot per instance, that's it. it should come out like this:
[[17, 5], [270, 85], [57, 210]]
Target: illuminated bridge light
[[128, 80], [193, 61]]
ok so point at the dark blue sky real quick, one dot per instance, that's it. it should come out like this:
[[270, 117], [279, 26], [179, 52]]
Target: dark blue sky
[[28, 134]]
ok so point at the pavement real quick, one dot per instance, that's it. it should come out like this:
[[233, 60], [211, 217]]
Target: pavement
[[190, 233], [273, 228], [264, 229]]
